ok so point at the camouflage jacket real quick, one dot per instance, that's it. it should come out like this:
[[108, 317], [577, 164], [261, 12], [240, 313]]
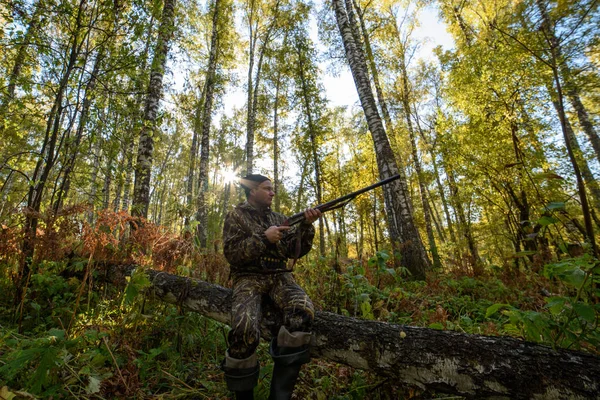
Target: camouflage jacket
[[246, 247]]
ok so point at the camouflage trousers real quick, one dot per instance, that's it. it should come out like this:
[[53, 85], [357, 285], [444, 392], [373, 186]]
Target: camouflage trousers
[[246, 311]]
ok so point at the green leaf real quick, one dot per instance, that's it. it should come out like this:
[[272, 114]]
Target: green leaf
[[44, 372], [56, 334], [138, 281], [548, 176], [574, 277], [436, 325], [556, 304], [525, 253], [555, 205], [363, 297], [6, 394], [585, 311], [493, 309], [546, 220]]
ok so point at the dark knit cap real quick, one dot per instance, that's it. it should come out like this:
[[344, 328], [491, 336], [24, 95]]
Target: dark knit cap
[[252, 181]]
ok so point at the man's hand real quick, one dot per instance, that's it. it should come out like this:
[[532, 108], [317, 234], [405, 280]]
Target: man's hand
[[311, 215], [275, 233]]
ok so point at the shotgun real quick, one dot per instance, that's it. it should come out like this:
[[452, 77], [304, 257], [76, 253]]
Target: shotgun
[[339, 202]]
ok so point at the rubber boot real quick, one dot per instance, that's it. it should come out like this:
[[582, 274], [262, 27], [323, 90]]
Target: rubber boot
[[241, 376], [288, 361]]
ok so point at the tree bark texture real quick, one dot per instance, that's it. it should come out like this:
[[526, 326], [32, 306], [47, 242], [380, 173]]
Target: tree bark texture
[[209, 90], [301, 50], [141, 188], [472, 366], [403, 230]]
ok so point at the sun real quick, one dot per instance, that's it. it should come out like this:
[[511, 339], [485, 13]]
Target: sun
[[229, 175]]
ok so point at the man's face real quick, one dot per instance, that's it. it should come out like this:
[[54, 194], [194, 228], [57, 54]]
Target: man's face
[[263, 194]]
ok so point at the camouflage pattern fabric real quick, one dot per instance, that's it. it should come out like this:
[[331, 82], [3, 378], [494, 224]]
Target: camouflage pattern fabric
[[288, 296], [245, 243], [259, 268]]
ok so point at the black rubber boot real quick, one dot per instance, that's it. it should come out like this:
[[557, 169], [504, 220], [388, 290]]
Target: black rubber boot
[[241, 381], [288, 361]]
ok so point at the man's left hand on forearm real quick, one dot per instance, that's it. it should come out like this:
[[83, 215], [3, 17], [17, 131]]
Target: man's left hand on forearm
[[311, 215]]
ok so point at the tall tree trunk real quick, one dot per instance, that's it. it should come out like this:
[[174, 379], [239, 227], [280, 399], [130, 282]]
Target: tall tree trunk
[[65, 186], [582, 114], [202, 214], [143, 169], [137, 114], [403, 230], [586, 172], [464, 225], [555, 61], [276, 183], [406, 102], [96, 154], [108, 177], [192, 159], [571, 88], [20, 58], [48, 154], [254, 77], [313, 140]]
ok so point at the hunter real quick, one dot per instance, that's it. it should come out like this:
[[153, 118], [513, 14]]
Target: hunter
[[258, 247]]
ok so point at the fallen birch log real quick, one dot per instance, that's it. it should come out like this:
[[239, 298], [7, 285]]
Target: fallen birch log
[[472, 366]]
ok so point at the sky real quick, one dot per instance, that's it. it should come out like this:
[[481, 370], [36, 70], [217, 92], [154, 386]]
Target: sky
[[340, 90]]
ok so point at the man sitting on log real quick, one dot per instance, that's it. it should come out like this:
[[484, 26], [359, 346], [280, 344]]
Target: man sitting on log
[[258, 247]]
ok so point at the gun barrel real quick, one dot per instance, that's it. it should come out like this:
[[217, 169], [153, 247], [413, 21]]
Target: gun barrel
[[298, 217]]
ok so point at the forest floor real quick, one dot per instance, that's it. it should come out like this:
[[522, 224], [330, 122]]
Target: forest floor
[[77, 334]]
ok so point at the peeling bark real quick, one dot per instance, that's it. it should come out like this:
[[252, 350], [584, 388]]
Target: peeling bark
[[141, 188], [403, 231], [472, 366]]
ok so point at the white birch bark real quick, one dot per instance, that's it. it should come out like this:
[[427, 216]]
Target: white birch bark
[[403, 230], [202, 213], [141, 189]]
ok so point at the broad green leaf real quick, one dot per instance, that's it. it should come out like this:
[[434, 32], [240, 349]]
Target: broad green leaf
[[436, 325], [556, 304], [555, 205], [585, 311], [493, 309], [546, 220], [6, 394], [575, 277]]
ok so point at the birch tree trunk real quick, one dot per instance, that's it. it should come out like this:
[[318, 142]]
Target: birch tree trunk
[[464, 225], [306, 99], [406, 102], [403, 231], [554, 63], [143, 169], [202, 213], [571, 88], [276, 183], [472, 366], [138, 84], [254, 77]]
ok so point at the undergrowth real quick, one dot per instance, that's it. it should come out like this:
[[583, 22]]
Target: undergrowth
[[86, 330]]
